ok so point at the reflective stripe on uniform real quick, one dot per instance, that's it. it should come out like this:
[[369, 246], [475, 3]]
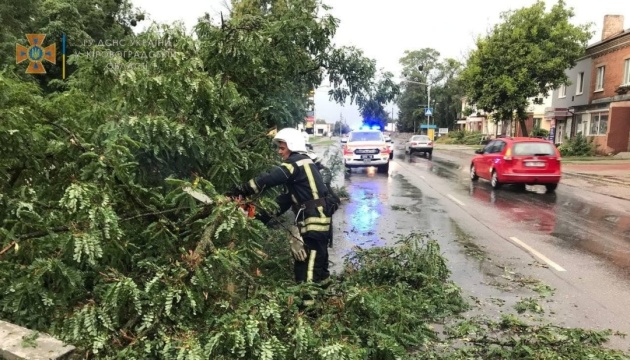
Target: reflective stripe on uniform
[[314, 227], [317, 220], [253, 185], [304, 162], [289, 167], [311, 180], [311, 266], [315, 223]]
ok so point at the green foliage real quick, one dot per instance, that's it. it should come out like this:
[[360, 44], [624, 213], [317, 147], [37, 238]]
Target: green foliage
[[468, 111], [446, 90], [372, 101], [540, 132], [30, 340], [511, 338], [528, 304], [578, 145], [462, 137], [522, 57], [340, 127]]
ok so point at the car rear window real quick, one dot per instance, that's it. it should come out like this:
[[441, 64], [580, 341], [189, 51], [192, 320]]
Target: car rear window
[[365, 136], [534, 148], [420, 138]]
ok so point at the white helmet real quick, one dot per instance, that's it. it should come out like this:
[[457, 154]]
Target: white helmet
[[293, 138]]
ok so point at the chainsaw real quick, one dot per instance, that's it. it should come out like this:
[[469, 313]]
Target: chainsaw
[[248, 209]]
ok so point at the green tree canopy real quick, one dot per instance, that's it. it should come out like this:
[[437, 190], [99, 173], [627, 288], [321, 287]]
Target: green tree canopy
[[524, 56], [446, 90], [380, 92]]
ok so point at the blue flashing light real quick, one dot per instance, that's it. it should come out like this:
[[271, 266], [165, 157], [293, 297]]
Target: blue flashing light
[[376, 127]]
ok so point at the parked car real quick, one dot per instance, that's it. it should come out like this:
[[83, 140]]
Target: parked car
[[523, 161], [419, 144], [366, 148]]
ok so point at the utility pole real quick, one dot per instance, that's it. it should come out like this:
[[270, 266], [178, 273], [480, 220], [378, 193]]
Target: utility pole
[[429, 96]]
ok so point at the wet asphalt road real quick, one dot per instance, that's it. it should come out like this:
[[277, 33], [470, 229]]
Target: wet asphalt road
[[498, 243]]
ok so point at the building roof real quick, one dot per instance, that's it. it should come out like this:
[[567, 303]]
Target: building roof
[[607, 44]]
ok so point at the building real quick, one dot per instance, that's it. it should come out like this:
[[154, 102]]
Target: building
[[597, 102], [478, 120], [322, 129]]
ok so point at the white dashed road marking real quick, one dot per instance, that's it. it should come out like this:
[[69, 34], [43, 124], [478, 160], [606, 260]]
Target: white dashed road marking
[[537, 254], [454, 199]]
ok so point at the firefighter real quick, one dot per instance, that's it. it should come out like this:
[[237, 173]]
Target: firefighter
[[307, 194]]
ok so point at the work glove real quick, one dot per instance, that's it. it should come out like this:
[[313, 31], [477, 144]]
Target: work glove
[[297, 244], [240, 190]]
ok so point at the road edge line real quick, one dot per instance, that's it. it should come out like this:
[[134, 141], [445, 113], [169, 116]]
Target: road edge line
[[537, 254], [455, 200]]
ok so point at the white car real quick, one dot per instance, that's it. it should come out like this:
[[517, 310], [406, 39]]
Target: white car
[[390, 144], [366, 148], [419, 144]]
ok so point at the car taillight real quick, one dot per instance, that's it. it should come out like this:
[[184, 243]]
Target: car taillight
[[430, 143], [413, 143], [508, 154], [347, 151], [385, 150]]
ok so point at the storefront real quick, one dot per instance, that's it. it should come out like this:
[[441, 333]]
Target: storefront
[[560, 123]]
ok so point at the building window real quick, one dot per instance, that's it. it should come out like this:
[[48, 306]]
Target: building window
[[626, 72], [537, 122], [599, 84], [562, 92], [581, 123], [579, 89], [599, 123]]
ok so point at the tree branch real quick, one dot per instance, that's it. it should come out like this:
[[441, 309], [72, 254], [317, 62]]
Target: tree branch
[[41, 233], [154, 213], [73, 138], [16, 175], [7, 248]]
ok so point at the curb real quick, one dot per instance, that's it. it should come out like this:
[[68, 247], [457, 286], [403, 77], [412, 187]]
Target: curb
[[599, 178]]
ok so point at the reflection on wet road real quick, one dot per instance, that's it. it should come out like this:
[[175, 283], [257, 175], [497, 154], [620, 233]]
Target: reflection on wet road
[[579, 225], [371, 216], [365, 209]]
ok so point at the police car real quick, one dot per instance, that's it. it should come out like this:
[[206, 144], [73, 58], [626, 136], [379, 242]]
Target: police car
[[366, 147]]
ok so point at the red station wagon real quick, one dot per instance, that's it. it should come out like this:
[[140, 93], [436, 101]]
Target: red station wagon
[[524, 161]]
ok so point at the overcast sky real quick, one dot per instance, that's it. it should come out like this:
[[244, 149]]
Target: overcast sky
[[385, 29]]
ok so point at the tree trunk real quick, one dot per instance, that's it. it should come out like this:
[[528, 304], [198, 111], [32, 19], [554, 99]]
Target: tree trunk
[[523, 126]]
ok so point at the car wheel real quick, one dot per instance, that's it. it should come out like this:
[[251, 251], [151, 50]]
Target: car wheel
[[391, 155], [384, 168], [473, 173], [430, 155], [494, 181], [551, 187]]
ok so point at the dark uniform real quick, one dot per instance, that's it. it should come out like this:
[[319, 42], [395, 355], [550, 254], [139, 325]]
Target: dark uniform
[[308, 195]]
